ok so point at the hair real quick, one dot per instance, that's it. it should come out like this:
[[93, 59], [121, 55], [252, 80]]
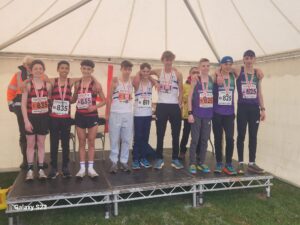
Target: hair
[[145, 65], [194, 67], [63, 62], [27, 60], [167, 55], [87, 62], [203, 60], [126, 64], [37, 61]]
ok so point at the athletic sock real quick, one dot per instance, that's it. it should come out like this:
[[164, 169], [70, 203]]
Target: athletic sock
[[91, 165], [41, 166], [30, 166], [82, 165], [251, 163]]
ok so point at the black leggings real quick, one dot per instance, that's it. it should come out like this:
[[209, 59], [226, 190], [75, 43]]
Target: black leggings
[[226, 123], [247, 114], [185, 136], [165, 112]]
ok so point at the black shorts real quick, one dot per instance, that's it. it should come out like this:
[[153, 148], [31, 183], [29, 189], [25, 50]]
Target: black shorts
[[84, 122], [40, 124]]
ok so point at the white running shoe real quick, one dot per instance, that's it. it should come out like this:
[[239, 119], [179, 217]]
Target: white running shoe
[[81, 173], [92, 173], [29, 175], [42, 174]]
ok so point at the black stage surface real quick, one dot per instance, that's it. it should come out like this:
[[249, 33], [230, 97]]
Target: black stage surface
[[122, 182]]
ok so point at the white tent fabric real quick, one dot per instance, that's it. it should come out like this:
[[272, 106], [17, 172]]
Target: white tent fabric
[[145, 28]]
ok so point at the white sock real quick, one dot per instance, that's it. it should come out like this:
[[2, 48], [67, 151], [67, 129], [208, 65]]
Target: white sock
[[251, 163], [82, 165], [91, 165], [241, 163]]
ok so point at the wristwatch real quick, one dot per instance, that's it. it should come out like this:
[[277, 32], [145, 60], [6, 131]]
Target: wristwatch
[[262, 109], [190, 112]]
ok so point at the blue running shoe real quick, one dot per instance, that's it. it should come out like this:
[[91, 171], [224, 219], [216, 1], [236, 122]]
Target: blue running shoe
[[135, 165], [145, 163], [219, 167], [204, 168], [176, 164], [193, 169], [229, 170], [159, 164]]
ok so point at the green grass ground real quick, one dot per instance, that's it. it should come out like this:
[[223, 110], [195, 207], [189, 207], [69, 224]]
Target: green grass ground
[[243, 207]]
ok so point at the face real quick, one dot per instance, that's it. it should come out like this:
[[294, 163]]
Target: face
[[37, 70], [194, 72], [204, 67], [226, 67], [126, 71], [145, 73], [86, 71], [167, 62], [63, 70], [27, 64], [249, 61]]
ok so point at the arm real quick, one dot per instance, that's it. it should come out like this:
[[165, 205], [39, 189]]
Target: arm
[[155, 72], [28, 125], [11, 92], [260, 74], [109, 98], [74, 81], [99, 91], [191, 117], [261, 102], [180, 86], [75, 94], [136, 81]]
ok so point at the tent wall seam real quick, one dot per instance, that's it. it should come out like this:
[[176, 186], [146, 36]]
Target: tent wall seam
[[285, 16], [247, 27], [86, 27], [127, 29], [37, 18]]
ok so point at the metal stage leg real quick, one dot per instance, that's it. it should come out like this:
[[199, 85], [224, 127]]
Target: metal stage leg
[[200, 196], [10, 220], [268, 189], [107, 211], [195, 196], [116, 206]]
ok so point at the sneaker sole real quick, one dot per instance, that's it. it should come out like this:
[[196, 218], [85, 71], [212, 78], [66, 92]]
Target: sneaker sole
[[143, 165], [161, 166], [256, 171], [176, 167]]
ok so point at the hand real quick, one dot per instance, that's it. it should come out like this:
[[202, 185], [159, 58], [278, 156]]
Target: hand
[[260, 74], [11, 107], [262, 115], [92, 108], [191, 119], [28, 126]]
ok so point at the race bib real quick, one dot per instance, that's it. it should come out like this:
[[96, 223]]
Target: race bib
[[84, 100], [60, 107], [249, 91], [225, 98], [39, 105], [124, 97], [144, 102], [206, 100]]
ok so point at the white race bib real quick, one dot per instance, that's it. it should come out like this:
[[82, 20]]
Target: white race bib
[[144, 102], [249, 91], [84, 100], [39, 105], [60, 107], [225, 98], [206, 100]]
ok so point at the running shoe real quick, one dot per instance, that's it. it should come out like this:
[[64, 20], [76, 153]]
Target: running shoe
[[229, 170], [176, 164], [29, 175], [125, 167], [159, 164], [92, 173], [241, 169], [255, 168], [219, 167], [114, 168], [53, 174], [145, 163], [66, 172], [193, 169], [204, 168], [81, 173], [136, 165], [42, 174]]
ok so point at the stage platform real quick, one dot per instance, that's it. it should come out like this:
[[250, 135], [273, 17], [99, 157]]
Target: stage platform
[[111, 189]]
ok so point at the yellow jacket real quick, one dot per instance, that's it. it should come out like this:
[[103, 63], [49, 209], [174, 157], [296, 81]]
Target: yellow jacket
[[186, 90]]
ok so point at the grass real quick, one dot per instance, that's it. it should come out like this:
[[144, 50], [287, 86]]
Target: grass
[[243, 207]]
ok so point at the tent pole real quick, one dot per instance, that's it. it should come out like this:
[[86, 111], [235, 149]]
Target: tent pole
[[43, 24], [192, 12]]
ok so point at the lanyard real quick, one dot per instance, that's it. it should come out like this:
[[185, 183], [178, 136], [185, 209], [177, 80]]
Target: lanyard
[[204, 87], [226, 86], [86, 87], [62, 96], [170, 78], [249, 82], [144, 93], [37, 92]]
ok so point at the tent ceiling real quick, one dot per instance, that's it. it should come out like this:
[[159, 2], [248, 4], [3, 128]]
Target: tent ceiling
[[145, 28]]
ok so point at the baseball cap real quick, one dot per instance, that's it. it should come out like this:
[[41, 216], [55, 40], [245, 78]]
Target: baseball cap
[[226, 59], [249, 53]]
